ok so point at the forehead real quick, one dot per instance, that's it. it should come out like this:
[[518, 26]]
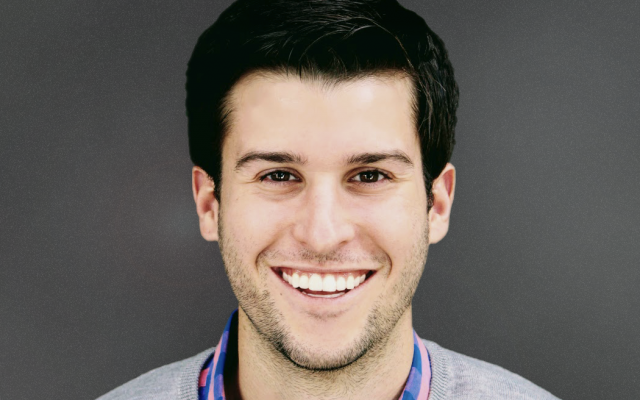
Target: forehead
[[275, 112]]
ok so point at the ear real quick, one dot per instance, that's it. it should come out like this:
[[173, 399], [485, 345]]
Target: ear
[[207, 205], [443, 189]]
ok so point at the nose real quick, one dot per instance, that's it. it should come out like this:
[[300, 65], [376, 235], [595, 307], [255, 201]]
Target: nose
[[322, 223]]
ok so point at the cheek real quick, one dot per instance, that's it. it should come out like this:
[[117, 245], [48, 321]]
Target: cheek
[[252, 224], [393, 225]]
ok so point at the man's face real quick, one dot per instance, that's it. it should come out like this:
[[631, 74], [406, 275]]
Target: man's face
[[323, 181]]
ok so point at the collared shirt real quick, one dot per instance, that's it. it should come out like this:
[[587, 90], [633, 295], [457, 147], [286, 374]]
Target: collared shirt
[[211, 384]]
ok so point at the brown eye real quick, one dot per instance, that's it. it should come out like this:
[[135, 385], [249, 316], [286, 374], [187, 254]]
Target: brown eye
[[279, 176], [372, 176], [369, 176]]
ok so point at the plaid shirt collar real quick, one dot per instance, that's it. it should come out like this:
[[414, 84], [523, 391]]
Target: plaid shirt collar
[[211, 384]]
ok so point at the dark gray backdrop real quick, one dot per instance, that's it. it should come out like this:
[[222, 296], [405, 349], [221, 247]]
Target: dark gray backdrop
[[103, 273]]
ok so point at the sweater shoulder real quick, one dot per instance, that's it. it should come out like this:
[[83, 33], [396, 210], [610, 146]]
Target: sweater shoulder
[[178, 380], [456, 376]]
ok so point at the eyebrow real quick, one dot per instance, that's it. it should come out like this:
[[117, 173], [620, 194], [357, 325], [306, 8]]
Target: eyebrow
[[284, 157], [281, 157], [370, 158]]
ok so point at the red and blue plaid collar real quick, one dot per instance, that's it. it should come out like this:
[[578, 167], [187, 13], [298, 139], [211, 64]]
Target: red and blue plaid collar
[[211, 384]]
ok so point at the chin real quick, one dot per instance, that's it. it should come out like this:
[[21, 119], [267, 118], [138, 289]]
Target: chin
[[326, 357]]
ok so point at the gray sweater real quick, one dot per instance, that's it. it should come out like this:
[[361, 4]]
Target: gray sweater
[[453, 376]]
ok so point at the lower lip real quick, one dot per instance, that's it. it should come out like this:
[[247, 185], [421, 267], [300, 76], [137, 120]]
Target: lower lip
[[323, 301]]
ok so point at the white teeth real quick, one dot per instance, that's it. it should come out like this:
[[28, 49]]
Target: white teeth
[[323, 282], [315, 282], [326, 296], [329, 283], [295, 280], [350, 283]]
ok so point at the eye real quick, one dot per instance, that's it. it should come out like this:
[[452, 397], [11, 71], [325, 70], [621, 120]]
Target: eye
[[278, 176], [371, 176]]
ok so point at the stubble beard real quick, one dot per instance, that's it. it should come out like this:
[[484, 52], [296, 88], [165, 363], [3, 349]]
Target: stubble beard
[[268, 321]]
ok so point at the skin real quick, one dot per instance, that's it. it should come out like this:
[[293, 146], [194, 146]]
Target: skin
[[322, 213]]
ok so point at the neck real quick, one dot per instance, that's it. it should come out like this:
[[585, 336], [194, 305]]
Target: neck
[[264, 373]]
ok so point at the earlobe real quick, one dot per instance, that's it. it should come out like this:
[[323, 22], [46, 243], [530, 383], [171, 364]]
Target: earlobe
[[207, 205], [443, 190]]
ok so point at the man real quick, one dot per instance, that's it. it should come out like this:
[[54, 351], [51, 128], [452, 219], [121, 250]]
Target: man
[[321, 133]]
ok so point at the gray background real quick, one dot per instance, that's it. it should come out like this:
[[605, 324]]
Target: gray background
[[103, 273]]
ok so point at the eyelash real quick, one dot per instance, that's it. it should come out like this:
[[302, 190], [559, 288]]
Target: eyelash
[[385, 176]]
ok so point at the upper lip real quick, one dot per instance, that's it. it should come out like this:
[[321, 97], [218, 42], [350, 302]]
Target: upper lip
[[321, 270]]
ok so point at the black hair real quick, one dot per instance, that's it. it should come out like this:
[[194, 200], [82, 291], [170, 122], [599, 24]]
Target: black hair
[[330, 40]]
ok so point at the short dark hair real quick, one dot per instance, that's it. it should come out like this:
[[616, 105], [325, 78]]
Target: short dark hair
[[331, 40]]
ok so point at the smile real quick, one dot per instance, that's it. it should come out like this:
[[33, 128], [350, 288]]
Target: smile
[[326, 285]]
